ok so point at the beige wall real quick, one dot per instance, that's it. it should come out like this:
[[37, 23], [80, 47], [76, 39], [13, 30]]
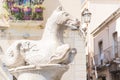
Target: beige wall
[[118, 27], [102, 36], [16, 31], [106, 35], [73, 7], [77, 69], [112, 29], [101, 11], [50, 6]]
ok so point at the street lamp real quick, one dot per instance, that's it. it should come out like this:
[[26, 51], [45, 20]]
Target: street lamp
[[85, 19], [86, 16]]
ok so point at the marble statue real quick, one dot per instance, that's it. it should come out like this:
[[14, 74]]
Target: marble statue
[[48, 54]]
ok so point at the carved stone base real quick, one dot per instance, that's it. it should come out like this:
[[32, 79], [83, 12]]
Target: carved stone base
[[42, 72]]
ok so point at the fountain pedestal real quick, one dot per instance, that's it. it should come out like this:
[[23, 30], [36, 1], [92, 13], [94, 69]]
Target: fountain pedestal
[[42, 72]]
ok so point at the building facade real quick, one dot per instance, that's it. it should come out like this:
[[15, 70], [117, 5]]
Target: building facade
[[106, 41], [102, 39]]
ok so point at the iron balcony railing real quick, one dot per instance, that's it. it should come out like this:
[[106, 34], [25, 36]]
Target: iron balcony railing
[[107, 55]]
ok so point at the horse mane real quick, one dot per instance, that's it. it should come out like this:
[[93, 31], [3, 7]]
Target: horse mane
[[58, 15]]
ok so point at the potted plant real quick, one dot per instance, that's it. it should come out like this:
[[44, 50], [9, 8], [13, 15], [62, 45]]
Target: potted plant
[[38, 9], [27, 12], [38, 12], [15, 8], [10, 3], [16, 12]]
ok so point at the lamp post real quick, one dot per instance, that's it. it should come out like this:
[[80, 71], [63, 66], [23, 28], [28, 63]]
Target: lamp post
[[86, 18]]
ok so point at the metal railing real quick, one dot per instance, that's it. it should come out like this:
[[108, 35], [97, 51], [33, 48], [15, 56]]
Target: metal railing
[[109, 54]]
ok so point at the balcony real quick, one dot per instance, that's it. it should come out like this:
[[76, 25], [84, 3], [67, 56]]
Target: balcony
[[111, 54], [22, 10]]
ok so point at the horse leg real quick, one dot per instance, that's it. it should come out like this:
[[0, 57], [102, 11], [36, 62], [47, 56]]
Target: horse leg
[[61, 54]]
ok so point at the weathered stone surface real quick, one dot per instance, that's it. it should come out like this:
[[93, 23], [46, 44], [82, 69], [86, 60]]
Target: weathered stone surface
[[47, 58]]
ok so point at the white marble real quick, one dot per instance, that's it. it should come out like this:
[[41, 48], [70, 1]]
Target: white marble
[[51, 49], [42, 72]]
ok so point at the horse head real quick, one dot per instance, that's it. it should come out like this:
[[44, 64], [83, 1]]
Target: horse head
[[62, 17]]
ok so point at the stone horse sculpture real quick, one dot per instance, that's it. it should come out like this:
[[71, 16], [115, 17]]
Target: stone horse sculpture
[[51, 49]]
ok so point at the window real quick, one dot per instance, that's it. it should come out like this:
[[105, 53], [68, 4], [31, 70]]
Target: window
[[115, 45], [100, 45]]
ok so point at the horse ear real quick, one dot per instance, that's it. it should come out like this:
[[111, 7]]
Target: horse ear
[[59, 8]]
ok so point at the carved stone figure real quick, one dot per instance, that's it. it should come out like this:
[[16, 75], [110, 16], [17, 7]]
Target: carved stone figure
[[50, 51]]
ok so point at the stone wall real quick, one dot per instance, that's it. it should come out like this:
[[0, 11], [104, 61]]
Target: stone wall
[[77, 69]]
